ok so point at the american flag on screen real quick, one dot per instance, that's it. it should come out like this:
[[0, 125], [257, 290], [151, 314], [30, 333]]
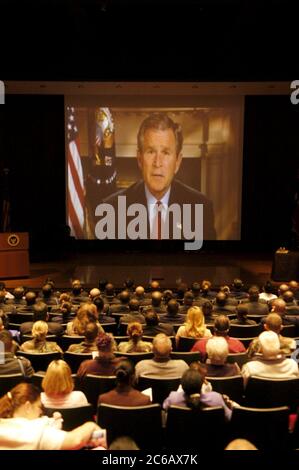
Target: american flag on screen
[[76, 192]]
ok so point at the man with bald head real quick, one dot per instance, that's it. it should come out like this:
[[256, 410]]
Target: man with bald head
[[139, 294], [156, 303], [291, 304], [273, 322], [294, 287], [161, 366], [123, 306]]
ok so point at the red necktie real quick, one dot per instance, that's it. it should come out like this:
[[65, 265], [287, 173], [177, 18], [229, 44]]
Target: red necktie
[[159, 220]]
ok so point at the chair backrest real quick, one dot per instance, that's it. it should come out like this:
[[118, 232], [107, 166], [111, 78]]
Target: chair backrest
[[73, 417], [186, 356], [135, 357], [239, 358], [289, 330], [141, 423], [30, 337], [266, 393], [109, 328], [119, 339], [9, 381], [40, 361], [186, 343], [65, 341], [245, 331], [230, 386], [266, 428], [74, 359], [200, 430], [95, 385], [161, 387], [19, 318]]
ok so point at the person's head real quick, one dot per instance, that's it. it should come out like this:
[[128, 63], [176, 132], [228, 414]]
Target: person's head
[[162, 346], [167, 295], [19, 292], [151, 318], [293, 286], [195, 288], [65, 308], [282, 289], [206, 286], [270, 344], [217, 350], [181, 289], [105, 343], [172, 307], [93, 293], [134, 331], [7, 339], [268, 287], [124, 297], [241, 312], [221, 298], [2, 296], [192, 381], [225, 289], [58, 379], [64, 297], [125, 373], [221, 325], [129, 283], [134, 305], [40, 311], [91, 331], [273, 323], [99, 303], [123, 443], [195, 322], [237, 284], [22, 401], [253, 294], [240, 444], [102, 284], [288, 297], [109, 289], [188, 298], [47, 290], [39, 330], [30, 298], [76, 287], [207, 308], [154, 286], [159, 152], [139, 291], [156, 298], [278, 306], [87, 312]]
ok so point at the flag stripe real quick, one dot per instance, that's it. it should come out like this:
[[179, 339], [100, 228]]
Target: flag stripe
[[75, 224], [75, 168], [76, 202]]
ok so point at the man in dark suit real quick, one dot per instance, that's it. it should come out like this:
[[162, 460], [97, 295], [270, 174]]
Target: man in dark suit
[[159, 157]]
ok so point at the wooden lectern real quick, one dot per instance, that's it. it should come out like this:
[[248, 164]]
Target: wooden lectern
[[14, 256]]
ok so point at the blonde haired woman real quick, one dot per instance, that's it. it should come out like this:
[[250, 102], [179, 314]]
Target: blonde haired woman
[[194, 326], [135, 343], [58, 386], [38, 343]]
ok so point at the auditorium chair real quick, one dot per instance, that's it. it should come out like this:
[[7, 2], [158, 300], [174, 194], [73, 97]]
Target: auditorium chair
[[65, 341], [185, 343], [30, 337], [266, 428], [94, 385], [109, 328], [136, 356], [9, 381], [200, 430], [239, 358], [289, 330], [245, 331], [40, 361], [230, 386], [267, 392], [19, 318], [141, 423], [161, 387], [119, 339], [188, 357], [74, 359], [72, 417]]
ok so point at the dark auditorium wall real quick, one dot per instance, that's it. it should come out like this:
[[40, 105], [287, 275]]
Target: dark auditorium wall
[[32, 146]]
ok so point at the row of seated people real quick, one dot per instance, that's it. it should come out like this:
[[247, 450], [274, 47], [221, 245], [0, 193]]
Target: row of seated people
[[194, 393], [198, 294]]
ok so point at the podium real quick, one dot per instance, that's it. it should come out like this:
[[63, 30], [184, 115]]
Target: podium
[[285, 266], [14, 255]]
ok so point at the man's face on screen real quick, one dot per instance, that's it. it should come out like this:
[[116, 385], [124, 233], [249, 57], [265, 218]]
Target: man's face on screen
[[158, 160]]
